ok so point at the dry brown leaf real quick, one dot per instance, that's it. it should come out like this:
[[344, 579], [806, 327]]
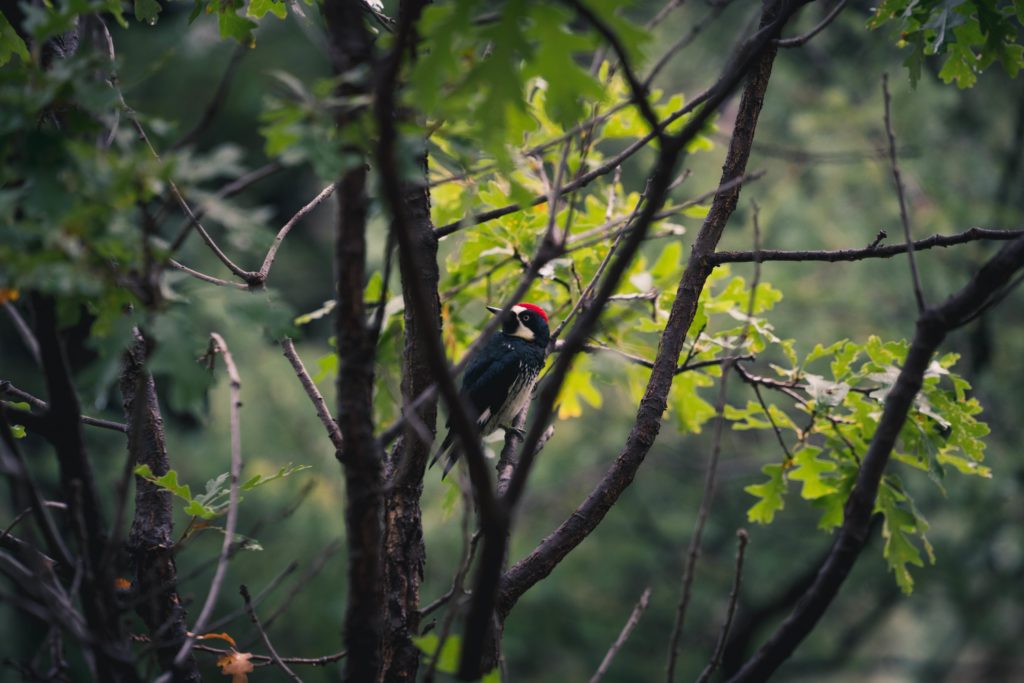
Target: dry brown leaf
[[236, 665], [207, 636]]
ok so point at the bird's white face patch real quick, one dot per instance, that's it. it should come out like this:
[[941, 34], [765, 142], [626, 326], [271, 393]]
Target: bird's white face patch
[[522, 331]]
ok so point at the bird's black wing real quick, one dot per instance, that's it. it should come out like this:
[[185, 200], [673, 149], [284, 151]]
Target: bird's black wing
[[489, 387], [486, 384]]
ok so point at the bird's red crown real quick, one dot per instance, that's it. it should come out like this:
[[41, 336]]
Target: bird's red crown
[[536, 309]]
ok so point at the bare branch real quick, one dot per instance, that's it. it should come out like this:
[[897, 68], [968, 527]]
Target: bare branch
[[918, 294], [217, 101], [7, 388], [204, 277], [734, 595], [24, 331], [322, 411], [265, 660], [268, 261], [627, 629], [638, 89], [218, 345], [707, 498], [873, 251], [798, 41], [263, 634]]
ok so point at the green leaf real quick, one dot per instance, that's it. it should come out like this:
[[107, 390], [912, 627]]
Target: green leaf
[[809, 469], [452, 492], [259, 8], [448, 660], [324, 310], [11, 43], [18, 431], [147, 11], [286, 471], [771, 494], [232, 25]]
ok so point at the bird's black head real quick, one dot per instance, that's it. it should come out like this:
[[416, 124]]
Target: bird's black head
[[527, 321]]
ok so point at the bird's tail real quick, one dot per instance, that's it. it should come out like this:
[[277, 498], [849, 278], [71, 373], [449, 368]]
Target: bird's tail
[[450, 449]]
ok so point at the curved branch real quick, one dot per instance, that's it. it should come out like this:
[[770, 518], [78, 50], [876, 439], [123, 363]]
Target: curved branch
[[932, 327]]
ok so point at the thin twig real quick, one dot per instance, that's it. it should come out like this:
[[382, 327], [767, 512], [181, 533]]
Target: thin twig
[[693, 551], [637, 89], [260, 597], [7, 388], [874, 250], [803, 39], [218, 345], [918, 294], [322, 411], [218, 99], [244, 591], [268, 261], [204, 277], [627, 629], [458, 582], [264, 660], [24, 331], [734, 595], [182, 202]]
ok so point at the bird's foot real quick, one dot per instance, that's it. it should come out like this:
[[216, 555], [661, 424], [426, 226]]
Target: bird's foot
[[519, 433]]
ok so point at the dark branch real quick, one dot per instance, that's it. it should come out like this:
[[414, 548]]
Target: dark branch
[[932, 327], [874, 251], [756, 56]]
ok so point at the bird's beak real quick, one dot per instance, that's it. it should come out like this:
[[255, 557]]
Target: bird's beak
[[494, 310]]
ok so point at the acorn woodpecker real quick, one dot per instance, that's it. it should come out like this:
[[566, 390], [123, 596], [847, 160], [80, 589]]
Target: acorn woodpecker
[[500, 378]]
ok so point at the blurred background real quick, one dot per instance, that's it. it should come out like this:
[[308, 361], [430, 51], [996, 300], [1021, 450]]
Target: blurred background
[[821, 143]]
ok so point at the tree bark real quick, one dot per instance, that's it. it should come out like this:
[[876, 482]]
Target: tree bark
[[351, 51], [403, 535], [150, 542]]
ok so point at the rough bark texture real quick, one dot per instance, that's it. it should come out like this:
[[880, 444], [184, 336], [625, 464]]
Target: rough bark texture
[[403, 527], [150, 542], [538, 564], [351, 51]]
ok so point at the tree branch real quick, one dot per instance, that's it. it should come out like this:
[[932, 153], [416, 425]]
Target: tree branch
[[874, 251], [150, 542], [798, 41], [931, 329], [904, 219], [251, 611], [756, 56], [218, 345], [734, 595], [627, 630], [322, 411]]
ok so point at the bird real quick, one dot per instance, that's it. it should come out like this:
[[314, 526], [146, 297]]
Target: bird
[[499, 379]]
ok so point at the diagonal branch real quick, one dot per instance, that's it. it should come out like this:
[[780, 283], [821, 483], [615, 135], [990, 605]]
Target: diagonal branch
[[322, 411], [627, 630], [756, 55], [932, 327]]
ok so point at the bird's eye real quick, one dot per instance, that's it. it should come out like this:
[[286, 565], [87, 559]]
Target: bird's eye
[[525, 316]]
